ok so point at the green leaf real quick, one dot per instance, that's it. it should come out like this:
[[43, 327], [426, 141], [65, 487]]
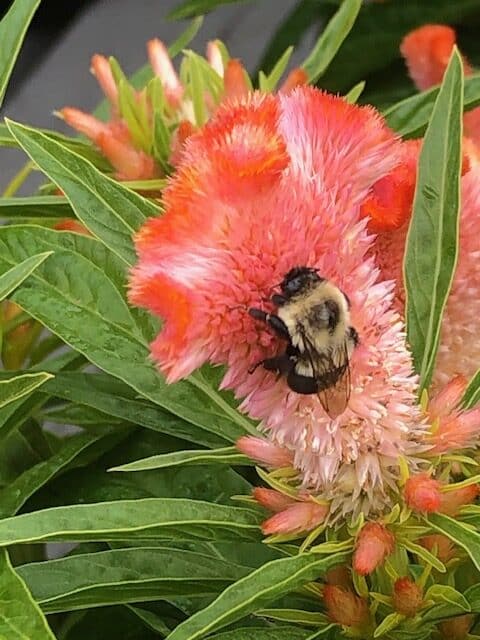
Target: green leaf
[[151, 620], [446, 594], [186, 37], [192, 8], [146, 519], [126, 575], [255, 591], [115, 398], [432, 240], [110, 211], [260, 633], [12, 278], [20, 386], [13, 28], [355, 92], [297, 616], [460, 533], [226, 455], [20, 617], [390, 621], [35, 207], [269, 83], [331, 39], [410, 117], [472, 392], [17, 493]]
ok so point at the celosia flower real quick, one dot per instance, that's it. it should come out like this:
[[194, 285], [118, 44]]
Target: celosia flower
[[268, 184], [440, 545], [298, 518], [422, 493], [374, 543], [407, 597], [453, 501], [427, 51], [453, 428], [265, 452], [456, 628], [346, 608], [271, 499]]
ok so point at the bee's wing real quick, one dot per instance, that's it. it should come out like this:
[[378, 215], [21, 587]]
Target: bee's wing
[[332, 372]]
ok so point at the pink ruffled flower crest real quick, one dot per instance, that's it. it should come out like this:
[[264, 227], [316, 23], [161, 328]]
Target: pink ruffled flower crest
[[270, 183]]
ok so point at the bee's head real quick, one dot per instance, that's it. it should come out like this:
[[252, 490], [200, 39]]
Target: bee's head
[[298, 280]]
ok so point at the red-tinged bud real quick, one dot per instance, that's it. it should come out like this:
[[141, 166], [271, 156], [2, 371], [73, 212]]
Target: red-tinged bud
[[271, 499], [265, 452], [100, 67], [214, 57], [441, 546], [69, 224], [422, 493], [407, 597], [374, 543], [453, 501], [164, 69], [339, 576], [456, 628], [235, 82], [296, 78], [183, 132], [83, 122], [442, 405], [300, 517], [129, 163], [345, 608]]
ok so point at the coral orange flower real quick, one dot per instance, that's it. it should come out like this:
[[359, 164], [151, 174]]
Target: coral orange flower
[[374, 543], [270, 183]]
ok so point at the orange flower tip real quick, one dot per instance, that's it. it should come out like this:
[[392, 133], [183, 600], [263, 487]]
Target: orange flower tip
[[448, 398], [422, 493], [129, 163], [100, 67], [296, 78], [68, 224], [344, 607], [374, 543], [162, 66], [407, 597], [298, 518], [339, 576], [427, 51], [456, 628], [184, 130], [265, 452], [440, 545], [83, 122], [271, 499], [453, 501], [235, 82], [214, 57]]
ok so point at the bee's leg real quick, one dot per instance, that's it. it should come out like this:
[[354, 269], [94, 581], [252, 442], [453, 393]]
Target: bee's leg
[[273, 321], [278, 300], [282, 364], [301, 384]]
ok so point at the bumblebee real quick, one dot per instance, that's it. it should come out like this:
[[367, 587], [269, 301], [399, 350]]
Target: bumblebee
[[313, 317]]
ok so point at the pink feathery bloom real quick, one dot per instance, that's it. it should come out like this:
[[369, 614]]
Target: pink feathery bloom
[[407, 597], [422, 493], [298, 518], [452, 427], [271, 499], [345, 607], [440, 545], [374, 543], [427, 51], [269, 184]]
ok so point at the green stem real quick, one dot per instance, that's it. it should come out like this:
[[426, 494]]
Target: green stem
[[18, 179]]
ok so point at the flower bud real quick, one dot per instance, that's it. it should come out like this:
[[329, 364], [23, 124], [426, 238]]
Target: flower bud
[[407, 597], [265, 452], [296, 78], [440, 545], [422, 493], [271, 499], [456, 628], [235, 80], [300, 517], [453, 501], [339, 576], [374, 543], [344, 607]]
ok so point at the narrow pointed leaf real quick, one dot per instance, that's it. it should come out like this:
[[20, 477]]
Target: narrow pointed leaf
[[12, 278], [20, 386], [255, 591], [35, 207], [20, 617], [126, 575], [109, 210], [13, 28], [192, 8], [186, 37], [226, 455], [472, 392], [432, 241], [262, 633], [146, 519], [331, 39]]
